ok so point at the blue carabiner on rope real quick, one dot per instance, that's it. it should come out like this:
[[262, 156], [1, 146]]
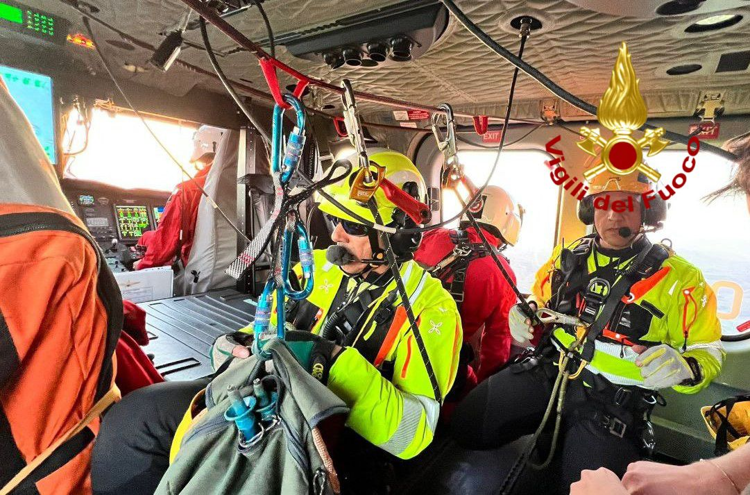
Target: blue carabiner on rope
[[285, 167], [305, 258]]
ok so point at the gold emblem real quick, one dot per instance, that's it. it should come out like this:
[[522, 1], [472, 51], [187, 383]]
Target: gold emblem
[[622, 110]]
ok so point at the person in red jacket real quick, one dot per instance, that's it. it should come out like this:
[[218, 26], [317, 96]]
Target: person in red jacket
[[177, 224], [469, 273]]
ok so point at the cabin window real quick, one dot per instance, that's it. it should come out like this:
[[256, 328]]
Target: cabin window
[[118, 150], [524, 176], [714, 237]]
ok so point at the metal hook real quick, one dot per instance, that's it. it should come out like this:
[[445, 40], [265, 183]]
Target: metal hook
[[354, 127], [447, 144]]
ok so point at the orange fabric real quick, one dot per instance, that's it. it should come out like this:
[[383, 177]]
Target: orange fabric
[[640, 288], [398, 321], [58, 326], [408, 357]]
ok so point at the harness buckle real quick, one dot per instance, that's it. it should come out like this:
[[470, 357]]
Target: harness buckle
[[616, 427], [622, 396]]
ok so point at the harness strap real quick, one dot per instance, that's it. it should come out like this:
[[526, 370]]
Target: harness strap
[[52, 451]]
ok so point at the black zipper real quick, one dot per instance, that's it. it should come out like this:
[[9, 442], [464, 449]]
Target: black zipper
[[24, 223]]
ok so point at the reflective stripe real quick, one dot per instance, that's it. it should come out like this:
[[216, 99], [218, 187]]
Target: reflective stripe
[[407, 427], [714, 349], [416, 293], [327, 266], [432, 409], [617, 380]]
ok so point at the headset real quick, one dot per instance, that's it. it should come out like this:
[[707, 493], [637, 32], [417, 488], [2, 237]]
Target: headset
[[404, 244], [653, 216]]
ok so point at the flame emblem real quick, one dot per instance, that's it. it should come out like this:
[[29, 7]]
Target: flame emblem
[[622, 110]]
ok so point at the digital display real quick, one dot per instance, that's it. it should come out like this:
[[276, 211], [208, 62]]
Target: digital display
[[85, 200], [132, 221], [94, 222], [32, 22], [158, 211], [33, 93]]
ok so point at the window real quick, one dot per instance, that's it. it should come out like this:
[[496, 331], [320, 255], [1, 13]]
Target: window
[[524, 176], [714, 237], [119, 150]]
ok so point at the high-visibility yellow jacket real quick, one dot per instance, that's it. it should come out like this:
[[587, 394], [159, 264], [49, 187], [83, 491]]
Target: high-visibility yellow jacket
[[400, 415], [683, 315]]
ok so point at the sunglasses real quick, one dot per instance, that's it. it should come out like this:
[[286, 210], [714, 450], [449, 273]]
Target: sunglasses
[[351, 228]]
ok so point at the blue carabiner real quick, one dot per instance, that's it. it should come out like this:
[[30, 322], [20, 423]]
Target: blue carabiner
[[295, 143], [305, 258]]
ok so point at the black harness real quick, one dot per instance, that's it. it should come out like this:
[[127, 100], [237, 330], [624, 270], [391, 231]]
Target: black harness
[[453, 266], [595, 300]]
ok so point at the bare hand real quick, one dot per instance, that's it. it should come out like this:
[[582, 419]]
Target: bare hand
[[240, 351], [651, 478], [598, 482]]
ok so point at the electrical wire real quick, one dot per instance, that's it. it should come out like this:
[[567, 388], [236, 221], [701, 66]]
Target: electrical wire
[[227, 85], [259, 4], [90, 31]]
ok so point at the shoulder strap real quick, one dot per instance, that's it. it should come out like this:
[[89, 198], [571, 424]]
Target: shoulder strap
[[642, 264], [109, 398]]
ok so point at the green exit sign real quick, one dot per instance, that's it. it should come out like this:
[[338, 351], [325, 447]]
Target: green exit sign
[[32, 22]]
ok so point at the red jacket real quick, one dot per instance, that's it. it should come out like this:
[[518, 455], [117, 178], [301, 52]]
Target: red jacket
[[180, 213], [487, 299]]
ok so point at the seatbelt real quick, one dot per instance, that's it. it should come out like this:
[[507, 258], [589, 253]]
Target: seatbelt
[[101, 405]]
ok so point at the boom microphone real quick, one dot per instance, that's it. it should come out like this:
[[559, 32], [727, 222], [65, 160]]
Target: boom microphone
[[339, 255], [625, 232]]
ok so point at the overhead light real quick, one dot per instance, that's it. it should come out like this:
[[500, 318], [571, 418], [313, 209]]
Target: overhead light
[[714, 23], [334, 60], [401, 49], [377, 51], [352, 57], [681, 70], [168, 51]]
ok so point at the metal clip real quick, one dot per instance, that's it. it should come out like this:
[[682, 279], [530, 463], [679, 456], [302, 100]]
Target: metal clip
[[447, 144], [353, 125]]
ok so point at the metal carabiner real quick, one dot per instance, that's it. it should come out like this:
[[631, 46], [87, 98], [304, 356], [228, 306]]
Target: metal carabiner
[[354, 126], [446, 145], [295, 227], [551, 317], [295, 144]]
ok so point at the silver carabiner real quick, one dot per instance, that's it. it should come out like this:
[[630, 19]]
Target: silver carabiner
[[354, 126], [549, 316], [446, 144]]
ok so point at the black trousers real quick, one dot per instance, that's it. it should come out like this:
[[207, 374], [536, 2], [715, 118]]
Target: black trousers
[[511, 404], [131, 453]]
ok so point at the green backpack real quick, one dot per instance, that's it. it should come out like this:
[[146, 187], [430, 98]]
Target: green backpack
[[287, 456]]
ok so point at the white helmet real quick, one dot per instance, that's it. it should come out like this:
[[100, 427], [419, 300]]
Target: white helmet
[[205, 142], [501, 214]]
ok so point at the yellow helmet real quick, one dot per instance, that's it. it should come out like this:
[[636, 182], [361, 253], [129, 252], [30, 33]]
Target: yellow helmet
[[398, 169]]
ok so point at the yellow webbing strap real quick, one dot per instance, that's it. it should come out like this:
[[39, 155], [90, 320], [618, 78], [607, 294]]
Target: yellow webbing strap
[[112, 396]]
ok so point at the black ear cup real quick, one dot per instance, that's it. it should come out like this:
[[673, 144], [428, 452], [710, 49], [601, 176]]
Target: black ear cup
[[586, 210], [405, 244]]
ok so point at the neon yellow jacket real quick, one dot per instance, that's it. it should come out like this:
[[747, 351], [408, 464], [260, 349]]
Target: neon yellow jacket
[[686, 305], [399, 416]]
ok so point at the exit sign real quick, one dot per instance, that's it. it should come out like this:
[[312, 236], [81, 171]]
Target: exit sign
[[32, 22]]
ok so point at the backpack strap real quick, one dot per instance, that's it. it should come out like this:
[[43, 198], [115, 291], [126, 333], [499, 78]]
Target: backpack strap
[[57, 455]]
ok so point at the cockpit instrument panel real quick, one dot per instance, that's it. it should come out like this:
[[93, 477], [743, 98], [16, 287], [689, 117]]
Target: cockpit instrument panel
[[132, 221]]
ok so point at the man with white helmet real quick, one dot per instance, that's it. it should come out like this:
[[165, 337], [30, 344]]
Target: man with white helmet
[[172, 240], [460, 260]]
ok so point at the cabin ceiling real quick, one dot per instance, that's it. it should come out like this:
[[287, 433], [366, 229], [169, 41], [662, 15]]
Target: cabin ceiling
[[576, 48]]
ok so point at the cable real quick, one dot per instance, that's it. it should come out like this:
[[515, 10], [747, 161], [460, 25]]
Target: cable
[[259, 4], [90, 31], [237, 100], [549, 84]]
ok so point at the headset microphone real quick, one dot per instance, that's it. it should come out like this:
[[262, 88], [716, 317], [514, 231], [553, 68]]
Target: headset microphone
[[625, 232], [339, 256]]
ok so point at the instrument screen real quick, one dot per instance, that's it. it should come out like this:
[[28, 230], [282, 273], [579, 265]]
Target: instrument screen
[[132, 221]]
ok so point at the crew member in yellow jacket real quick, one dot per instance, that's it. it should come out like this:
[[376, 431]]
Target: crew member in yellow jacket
[[652, 326], [358, 324]]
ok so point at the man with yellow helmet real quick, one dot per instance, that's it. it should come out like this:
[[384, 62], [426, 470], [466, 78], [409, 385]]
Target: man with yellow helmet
[[652, 325]]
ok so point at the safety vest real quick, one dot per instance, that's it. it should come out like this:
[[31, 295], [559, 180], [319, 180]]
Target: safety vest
[[673, 305], [382, 376]]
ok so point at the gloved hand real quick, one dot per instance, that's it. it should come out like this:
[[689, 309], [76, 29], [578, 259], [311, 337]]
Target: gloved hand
[[230, 345], [520, 326], [663, 367], [314, 353]]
